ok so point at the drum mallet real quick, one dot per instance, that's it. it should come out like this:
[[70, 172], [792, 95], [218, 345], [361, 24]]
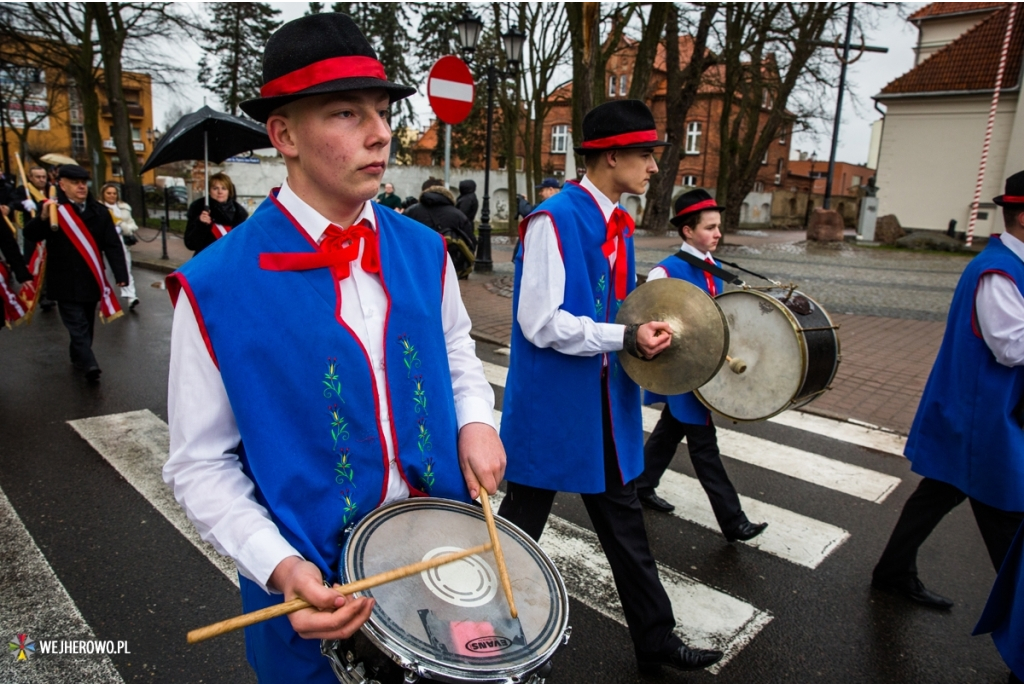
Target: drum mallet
[[737, 365], [215, 629], [499, 556]]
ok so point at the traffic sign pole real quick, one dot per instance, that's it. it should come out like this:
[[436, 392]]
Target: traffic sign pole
[[447, 154]]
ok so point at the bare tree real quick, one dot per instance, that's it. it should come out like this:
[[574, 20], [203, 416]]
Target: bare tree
[[31, 96]]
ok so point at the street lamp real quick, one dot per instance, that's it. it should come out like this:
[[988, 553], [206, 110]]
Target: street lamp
[[469, 29], [165, 222]]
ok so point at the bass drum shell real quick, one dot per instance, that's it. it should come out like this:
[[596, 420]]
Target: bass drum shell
[[452, 623], [790, 346]]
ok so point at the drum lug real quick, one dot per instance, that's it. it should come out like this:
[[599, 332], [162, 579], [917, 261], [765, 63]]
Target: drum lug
[[411, 674], [566, 635]]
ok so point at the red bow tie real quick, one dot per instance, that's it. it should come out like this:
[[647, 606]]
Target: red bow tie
[[338, 249], [620, 227]]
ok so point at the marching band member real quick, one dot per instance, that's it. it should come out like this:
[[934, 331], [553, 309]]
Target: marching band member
[[75, 275], [967, 438], [333, 371], [699, 220], [571, 417]]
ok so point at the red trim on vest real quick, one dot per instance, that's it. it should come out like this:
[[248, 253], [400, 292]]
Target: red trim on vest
[[523, 225], [353, 66], [703, 204], [974, 303], [177, 282], [631, 138]]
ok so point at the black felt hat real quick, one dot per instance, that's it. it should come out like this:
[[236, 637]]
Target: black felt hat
[[316, 54], [1013, 191], [618, 125], [72, 171], [694, 201]]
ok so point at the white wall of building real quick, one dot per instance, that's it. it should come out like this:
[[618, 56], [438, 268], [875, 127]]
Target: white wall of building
[[928, 164]]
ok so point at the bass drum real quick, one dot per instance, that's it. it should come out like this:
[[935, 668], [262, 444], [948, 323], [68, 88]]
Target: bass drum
[[789, 346], [451, 623]]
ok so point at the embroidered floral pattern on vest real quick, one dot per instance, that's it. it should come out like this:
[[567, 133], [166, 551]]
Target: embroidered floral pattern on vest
[[599, 289], [410, 357], [343, 470]]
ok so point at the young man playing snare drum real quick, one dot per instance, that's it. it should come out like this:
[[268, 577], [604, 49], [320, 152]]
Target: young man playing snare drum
[[300, 388], [699, 220]]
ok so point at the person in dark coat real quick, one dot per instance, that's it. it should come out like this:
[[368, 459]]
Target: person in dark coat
[[10, 254], [26, 202], [545, 189], [70, 281], [208, 222], [437, 210], [467, 202]]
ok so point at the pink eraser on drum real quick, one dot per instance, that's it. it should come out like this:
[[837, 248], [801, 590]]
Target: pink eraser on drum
[[467, 634]]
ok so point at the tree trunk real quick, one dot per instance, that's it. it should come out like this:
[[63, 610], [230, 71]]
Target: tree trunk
[[112, 37], [640, 85], [584, 42]]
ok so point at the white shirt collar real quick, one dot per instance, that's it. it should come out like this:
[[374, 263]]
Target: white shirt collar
[[1014, 244], [606, 205], [687, 247], [313, 222]]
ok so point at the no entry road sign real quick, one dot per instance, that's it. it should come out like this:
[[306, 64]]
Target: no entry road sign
[[450, 89]]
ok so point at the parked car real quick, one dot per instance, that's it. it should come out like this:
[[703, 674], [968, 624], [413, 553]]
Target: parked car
[[177, 197]]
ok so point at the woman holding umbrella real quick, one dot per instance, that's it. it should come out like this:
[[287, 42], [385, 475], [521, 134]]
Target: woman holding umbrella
[[209, 221]]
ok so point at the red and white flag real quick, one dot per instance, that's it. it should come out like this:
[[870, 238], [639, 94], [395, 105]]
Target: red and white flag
[[83, 241], [14, 310], [220, 230], [31, 290]]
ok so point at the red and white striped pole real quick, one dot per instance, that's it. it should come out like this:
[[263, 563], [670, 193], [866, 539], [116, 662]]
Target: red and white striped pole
[[991, 120]]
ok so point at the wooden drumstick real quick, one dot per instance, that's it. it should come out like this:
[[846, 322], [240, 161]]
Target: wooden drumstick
[[499, 556], [737, 365], [215, 629], [54, 225]]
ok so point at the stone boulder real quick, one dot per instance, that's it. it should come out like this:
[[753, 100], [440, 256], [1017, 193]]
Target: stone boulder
[[930, 240], [826, 225], [888, 230]]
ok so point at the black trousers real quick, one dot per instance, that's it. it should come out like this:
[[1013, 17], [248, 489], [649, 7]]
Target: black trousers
[[702, 443], [931, 501], [619, 523], [80, 320]]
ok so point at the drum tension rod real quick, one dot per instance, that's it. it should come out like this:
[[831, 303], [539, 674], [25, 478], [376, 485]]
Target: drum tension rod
[[820, 328]]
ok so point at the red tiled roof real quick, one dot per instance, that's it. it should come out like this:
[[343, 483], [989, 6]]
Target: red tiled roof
[[968, 63], [940, 9]]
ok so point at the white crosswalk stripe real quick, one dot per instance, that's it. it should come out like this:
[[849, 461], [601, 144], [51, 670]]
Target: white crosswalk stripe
[[36, 603], [849, 479]]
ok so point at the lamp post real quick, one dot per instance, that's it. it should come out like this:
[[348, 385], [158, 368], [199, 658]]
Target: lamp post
[[469, 28], [165, 223]]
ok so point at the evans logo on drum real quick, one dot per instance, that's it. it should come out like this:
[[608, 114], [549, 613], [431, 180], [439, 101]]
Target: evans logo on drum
[[489, 643]]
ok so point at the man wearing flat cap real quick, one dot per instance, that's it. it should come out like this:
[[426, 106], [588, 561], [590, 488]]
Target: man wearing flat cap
[[75, 274], [571, 418], [297, 386], [699, 220], [967, 439]]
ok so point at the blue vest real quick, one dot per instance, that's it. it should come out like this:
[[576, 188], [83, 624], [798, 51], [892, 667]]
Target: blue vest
[[1004, 612], [551, 413], [964, 433], [685, 408], [300, 384]]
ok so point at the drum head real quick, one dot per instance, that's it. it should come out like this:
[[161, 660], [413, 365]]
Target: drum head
[[453, 622], [763, 334]]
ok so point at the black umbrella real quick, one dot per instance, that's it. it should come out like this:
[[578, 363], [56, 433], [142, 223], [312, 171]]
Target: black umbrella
[[210, 135]]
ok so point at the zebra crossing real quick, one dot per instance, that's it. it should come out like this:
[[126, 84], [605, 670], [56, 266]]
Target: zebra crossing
[[136, 443]]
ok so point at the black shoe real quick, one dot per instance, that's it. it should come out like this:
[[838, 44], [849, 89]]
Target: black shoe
[[913, 589], [93, 374], [652, 501], [684, 658], [133, 305], [745, 531]]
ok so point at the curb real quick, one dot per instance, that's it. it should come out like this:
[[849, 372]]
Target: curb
[[161, 266], [483, 337]]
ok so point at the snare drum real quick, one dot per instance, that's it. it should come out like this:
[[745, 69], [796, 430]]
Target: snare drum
[[452, 623], [789, 346]]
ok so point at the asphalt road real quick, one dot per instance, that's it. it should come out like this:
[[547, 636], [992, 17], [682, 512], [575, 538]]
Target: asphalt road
[[133, 577]]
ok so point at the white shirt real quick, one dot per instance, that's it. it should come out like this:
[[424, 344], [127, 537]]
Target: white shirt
[[542, 293], [1000, 308], [659, 272], [204, 469]]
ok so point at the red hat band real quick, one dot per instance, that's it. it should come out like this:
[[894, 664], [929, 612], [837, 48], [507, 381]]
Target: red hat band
[[631, 138], [1013, 199], [703, 204], [354, 66]]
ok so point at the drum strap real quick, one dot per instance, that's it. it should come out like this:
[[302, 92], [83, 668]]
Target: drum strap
[[712, 269]]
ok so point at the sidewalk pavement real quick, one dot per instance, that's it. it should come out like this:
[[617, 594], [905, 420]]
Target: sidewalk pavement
[[885, 361]]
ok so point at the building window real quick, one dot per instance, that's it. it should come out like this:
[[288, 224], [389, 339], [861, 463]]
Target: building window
[[778, 167], [136, 133], [782, 135], [131, 97], [693, 138], [856, 182], [611, 85], [689, 181], [623, 82], [559, 139], [520, 162], [758, 186], [766, 99], [764, 160], [78, 140], [502, 163], [115, 166]]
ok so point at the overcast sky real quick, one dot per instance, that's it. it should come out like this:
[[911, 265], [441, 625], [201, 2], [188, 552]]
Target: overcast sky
[[865, 78]]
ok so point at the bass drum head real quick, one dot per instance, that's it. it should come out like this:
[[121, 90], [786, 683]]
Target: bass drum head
[[763, 334], [453, 622]]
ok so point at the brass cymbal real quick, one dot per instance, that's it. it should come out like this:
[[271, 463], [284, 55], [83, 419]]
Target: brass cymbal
[[700, 336]]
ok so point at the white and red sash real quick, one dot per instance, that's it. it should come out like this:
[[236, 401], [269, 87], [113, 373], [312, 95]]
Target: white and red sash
[[31, 290], [219, 230], [83, 241], [14, 309]]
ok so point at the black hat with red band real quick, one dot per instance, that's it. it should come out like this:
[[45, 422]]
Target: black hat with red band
[[320, 53], [1013, 194], [617, 125], [694, 201]]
